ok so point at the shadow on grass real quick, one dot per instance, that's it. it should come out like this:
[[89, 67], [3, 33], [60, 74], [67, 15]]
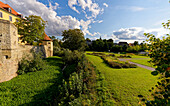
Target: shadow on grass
[[53, 61], [47, 96]]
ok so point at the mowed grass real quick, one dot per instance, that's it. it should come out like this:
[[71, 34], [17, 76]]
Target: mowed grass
[[34, 88], [143, 62], [125, 84]]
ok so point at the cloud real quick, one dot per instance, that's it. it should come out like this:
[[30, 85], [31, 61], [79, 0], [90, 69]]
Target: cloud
[[130, 8], [71, 4], [86, 5], [53, 7], [106, 5], [56, 24], [98, 21], [136, 33]]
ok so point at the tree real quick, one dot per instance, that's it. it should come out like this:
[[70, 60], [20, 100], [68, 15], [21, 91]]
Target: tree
[[88, 40], [136, 43], [31, 28], [160, 55], [74, 39]]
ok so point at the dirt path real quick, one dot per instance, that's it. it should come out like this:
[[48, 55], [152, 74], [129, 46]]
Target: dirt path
[[143, 66]]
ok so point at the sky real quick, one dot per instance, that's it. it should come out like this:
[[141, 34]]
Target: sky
[[120, 20]]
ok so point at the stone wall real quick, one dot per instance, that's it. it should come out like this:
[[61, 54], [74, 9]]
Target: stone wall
[[11, 52], [8, 50]]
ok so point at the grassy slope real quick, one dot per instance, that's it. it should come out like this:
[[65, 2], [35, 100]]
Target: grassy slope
[[125, 84], [34, 88]]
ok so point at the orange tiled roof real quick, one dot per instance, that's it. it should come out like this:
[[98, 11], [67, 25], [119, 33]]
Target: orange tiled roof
[[3, 6], [46, 38]]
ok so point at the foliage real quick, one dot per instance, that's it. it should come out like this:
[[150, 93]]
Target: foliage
[[71, 57], [136, 43], [31, 28], [114, 63], [100, 45], [31, 64], [74, 39], [124, 56], [81, 84], [160, 55], [137, 48]]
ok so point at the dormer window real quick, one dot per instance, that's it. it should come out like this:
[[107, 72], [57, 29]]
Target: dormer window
[[10, 10]]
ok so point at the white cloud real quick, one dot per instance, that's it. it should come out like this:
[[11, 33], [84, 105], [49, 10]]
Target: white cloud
[[86, 4], [130, 8], [53, 7], [71, 4], [98, 21], [106, 5], [56, 24], [137, 33]]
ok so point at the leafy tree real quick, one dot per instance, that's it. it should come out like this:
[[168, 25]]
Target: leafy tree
[[31, 28], [160, 55], [87, 39], [110, 43], [74, 39], [136, 43]]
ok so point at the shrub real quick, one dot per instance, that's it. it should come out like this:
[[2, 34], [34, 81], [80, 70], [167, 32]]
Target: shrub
[[117, 64], [71, 57], [81, 83], [124, 56], [31, 64]]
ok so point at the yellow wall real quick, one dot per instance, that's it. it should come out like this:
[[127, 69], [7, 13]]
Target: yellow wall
[[6, 15]]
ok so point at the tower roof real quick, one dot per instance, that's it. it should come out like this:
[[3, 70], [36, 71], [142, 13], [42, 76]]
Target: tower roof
[[46, 38], [6, 7]]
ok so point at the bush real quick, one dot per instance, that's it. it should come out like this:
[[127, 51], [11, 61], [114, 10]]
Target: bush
[[124, 56], [81, 82], [71, 57], [117, 64], [31, 64]]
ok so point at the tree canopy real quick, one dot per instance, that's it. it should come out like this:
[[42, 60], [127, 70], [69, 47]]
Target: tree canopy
[[74, 39], [31, 28], [159, 53]]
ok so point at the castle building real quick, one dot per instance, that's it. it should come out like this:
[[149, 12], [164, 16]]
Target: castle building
[[8, 13]]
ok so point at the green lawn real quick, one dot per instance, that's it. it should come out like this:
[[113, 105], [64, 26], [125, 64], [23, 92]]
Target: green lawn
[[143, 62], [125, 84], [34, 88]]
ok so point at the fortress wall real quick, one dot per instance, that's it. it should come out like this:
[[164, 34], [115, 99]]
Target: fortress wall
[[11, 52], [9, 65]]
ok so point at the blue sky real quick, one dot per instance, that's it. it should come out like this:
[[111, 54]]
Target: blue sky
[[121, 20]]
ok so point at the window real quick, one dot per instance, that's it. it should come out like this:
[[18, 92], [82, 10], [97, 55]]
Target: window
[[10, 18], [1, 15]]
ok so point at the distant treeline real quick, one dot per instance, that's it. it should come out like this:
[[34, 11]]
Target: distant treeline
[[104, 45], [109, 46]]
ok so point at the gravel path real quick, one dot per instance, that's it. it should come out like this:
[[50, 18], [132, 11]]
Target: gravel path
[[143, 66]]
